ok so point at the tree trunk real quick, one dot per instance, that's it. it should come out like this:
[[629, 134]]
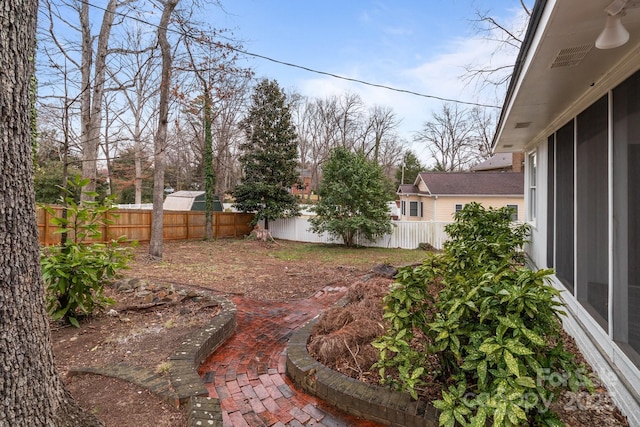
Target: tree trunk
[[92, 102], [88, 167], [138, 178], [32, 393], [209, 177], [160, 141]]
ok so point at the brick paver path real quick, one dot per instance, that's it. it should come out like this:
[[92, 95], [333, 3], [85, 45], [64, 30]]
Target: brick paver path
[[247, 373]]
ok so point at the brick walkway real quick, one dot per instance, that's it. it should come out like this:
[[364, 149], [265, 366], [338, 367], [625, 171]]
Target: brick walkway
[[247, 373]]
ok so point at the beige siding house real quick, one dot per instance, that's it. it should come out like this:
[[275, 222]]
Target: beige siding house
[[436, 196]]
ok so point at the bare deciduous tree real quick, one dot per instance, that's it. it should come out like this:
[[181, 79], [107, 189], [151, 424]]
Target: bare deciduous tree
[[507, 38], [160, 140], [381, 125], [88, 57], [483, 123], [210, 63], [93, 89], [449, 138], [139, 80]]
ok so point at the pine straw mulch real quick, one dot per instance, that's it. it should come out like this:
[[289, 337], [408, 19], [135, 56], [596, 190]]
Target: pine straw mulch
[[341, 340]]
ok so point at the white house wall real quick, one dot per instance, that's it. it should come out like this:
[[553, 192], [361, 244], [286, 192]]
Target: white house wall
[[615, 368], [537, 247]]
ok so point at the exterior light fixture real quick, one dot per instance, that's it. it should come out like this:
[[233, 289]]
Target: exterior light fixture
[[613, 35]]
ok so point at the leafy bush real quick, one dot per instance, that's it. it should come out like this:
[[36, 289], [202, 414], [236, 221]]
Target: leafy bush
[[494, 327], [74, 272], [353, 200]]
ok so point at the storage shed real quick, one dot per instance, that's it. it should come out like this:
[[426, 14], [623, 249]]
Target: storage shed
[[189, 201]]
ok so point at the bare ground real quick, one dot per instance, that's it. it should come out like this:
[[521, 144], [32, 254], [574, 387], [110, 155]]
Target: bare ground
[[160, 302]]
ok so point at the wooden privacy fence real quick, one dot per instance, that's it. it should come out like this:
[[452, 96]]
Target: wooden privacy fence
[[136, 225]]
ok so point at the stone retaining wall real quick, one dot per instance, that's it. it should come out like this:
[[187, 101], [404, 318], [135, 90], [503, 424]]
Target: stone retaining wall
[[183, 384], [355, 397]]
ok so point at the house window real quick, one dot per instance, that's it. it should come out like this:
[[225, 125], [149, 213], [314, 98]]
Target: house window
[[532, 167], [564, 205], [413, 208], [403, 208], [459, 207], [514, 212], [592, 207], [421, 209], [551, 143], [626, 208]]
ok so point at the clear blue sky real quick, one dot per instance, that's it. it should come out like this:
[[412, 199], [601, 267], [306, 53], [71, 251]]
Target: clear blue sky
[[417, 45]]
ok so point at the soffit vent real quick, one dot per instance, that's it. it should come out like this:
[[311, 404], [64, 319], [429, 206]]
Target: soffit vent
[[571, 56], [522, 125]]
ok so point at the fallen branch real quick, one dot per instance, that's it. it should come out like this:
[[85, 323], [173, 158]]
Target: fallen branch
[[355, 359]]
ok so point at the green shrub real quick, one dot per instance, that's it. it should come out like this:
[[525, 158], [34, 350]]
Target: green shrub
[[494, 327], [75, 271]]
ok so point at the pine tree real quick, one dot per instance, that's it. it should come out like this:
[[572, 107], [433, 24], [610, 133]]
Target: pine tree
[[408, 169], [268, 156]]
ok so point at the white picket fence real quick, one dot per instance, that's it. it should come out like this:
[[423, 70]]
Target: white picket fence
[[405, 235]]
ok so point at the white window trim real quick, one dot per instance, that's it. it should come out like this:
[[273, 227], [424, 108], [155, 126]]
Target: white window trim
[[531, 213], [417, 209]]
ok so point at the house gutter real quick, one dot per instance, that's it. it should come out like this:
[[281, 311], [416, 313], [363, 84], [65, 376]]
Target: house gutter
[[536, 15]]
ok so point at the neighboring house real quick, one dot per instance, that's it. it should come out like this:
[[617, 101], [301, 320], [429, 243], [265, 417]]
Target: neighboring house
[[436, 196], [501, 162], [303, 188], [574, 109]]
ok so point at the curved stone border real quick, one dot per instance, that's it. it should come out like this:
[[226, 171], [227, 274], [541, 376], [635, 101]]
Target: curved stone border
[[183, 384], [193, 351], [355, 397]]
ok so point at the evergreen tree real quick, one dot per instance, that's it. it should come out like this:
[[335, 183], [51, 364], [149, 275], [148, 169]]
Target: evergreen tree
[[353, 199], [268, 156], [409, 169]]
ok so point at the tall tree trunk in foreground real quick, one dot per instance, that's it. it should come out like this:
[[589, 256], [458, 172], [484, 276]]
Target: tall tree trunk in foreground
[[160, 141], [32, 393]]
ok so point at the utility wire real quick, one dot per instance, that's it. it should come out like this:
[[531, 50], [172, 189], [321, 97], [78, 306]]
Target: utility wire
[[302, 67], [350, 79]]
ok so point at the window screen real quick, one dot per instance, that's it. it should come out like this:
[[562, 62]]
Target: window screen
[[626, 211], [592, 202], [564, 201], [551, 199]]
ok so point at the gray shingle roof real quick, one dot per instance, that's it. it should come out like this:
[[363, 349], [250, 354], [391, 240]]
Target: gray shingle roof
[[463, 183], [497, 161], [407, 188]]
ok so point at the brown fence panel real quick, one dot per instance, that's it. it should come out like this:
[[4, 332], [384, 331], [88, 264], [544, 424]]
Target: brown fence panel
[[197, 222], [133, 224], [46, 230], [136, 225], [230, 224]]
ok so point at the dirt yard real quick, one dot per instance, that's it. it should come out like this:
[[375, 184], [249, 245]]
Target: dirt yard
[[160, 302]]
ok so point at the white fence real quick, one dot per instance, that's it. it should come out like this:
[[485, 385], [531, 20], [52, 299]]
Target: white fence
[[140, 206], [405, 235]]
